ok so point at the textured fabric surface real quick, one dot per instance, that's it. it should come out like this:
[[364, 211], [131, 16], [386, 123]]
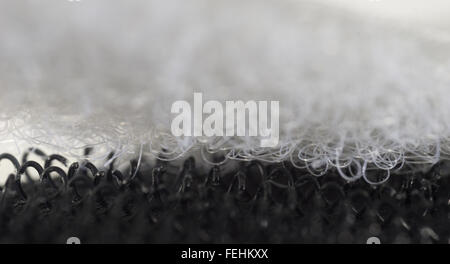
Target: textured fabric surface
[[247, 202], [352, 89]]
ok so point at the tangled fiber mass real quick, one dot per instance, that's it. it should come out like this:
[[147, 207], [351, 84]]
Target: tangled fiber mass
[[356, 95]]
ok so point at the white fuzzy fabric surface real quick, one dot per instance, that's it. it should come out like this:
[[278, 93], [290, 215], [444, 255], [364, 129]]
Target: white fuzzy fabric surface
[[354, 88]]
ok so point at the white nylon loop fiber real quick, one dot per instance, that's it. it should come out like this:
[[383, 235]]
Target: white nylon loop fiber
[[356, 92]]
